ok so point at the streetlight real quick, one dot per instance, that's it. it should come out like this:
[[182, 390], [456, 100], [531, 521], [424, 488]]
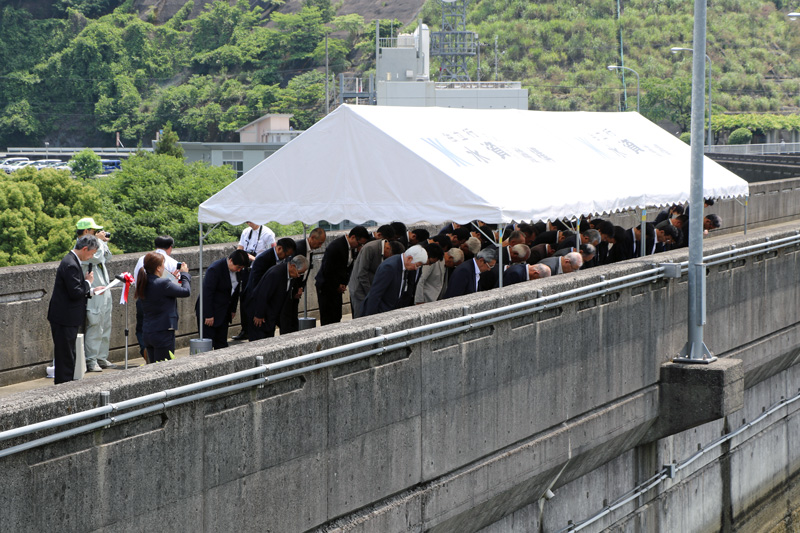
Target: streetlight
[[675, 50], [618, 67], [793, 15]]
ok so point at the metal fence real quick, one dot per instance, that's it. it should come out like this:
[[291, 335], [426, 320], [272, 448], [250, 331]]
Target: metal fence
[[263, 374], [754, 149]]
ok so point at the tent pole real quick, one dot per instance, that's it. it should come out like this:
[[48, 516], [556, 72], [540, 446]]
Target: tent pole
[[644, 223], [577, 230], [500, 258], [200, 318], [746, 198], [305, 289]]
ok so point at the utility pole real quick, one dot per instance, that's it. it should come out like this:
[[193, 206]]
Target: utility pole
[[495, 58], [327, 75]]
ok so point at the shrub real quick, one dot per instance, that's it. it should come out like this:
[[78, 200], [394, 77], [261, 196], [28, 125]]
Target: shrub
[[740, 136]]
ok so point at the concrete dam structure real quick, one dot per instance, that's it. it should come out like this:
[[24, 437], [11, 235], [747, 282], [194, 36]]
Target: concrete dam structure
[[545, 406]]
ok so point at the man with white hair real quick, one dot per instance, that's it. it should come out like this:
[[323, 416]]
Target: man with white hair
[[524, 272], [565, 264], [391, 283]]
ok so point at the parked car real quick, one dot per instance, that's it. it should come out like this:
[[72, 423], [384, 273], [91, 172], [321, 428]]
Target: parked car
[[10, 162], [16, 166], [45, 163]]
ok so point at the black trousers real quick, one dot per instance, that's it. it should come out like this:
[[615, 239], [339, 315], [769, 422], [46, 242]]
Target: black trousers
[[330, 305], [244, 277], [264, 332], [288, 319], [159, 344], [217, 334], [64, 350]]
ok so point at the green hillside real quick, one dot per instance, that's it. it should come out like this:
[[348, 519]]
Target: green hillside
[[78, 80]]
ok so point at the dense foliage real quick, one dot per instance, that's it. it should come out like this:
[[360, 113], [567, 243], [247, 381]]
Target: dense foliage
[[38, 212], [560, 50], [100, 69], [81, 80], [156, 194], [153, 194]]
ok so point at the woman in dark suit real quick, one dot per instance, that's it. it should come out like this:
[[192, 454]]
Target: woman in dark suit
[[160, 306]]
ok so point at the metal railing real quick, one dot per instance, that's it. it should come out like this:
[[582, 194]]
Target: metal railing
[[478, 85], [263, 374], [669, 471], [754, 149], [72, 151]]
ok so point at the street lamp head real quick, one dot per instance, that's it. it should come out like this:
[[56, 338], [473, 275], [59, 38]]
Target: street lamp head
[[793, 15], [676, 49], [612, 67]]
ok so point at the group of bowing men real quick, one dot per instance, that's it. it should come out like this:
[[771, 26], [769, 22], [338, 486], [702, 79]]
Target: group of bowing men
[[393, 267]]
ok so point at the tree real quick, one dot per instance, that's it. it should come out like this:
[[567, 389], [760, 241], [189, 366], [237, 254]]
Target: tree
[[168, 143], [85, 164], [668, 99], [158, 194], [38, 211]]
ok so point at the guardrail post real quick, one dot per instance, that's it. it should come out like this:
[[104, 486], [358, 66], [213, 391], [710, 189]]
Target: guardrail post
[[105, 399], [260, 362]]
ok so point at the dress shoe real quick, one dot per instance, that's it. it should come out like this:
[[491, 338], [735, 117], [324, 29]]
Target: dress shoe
[[93, 367], [239, 336], [106, 364]]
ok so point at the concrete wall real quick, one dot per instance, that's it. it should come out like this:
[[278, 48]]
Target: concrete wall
[[452, 434]]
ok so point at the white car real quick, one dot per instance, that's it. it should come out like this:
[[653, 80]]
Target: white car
[[17, 166], [46, 163], [11, 162]]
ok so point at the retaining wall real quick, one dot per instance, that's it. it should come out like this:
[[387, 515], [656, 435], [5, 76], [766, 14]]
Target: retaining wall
[[451, 434]]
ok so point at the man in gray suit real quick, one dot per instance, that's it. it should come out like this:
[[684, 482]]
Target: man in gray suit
[[565, 264], [364, 267], [433, 280]]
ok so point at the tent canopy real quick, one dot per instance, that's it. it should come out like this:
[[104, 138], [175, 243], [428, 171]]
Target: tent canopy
[[437, 164]]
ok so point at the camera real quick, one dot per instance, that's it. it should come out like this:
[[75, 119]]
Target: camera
[[180, 265], [108, 235]]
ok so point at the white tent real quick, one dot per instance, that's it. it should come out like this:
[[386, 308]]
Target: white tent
[[438, 164]]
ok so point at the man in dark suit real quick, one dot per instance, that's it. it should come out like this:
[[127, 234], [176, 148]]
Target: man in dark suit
[[220, 294], [67, 309], [524, 272], [331, 281], [392, 280], [270, 295], [465, 277], [288, 321], [267, 259]]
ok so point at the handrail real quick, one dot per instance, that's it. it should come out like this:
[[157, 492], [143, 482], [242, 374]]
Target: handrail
[[268, 373]]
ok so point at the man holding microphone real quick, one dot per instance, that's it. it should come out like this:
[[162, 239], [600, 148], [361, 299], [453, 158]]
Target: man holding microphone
[[67, 309]]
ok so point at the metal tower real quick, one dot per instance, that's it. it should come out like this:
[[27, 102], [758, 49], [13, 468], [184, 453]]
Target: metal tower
[[454, 44]]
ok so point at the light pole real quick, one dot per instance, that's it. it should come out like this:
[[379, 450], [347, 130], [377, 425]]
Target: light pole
[[618, 67], [675, 50]]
